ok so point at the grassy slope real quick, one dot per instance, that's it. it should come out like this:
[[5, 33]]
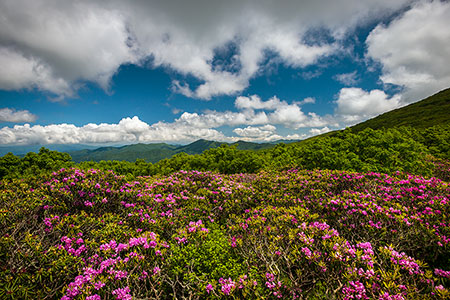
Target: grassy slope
[[434, 110], [431, 111]]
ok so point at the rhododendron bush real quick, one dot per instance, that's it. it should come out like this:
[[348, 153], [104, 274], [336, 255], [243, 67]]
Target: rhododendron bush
[[294, 234]]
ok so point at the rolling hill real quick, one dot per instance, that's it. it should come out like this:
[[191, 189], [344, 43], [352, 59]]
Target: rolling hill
[[156, 152], [434, 110]]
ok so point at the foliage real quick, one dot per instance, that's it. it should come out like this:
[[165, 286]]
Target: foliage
[[33, 164], [403, 149], [157, 151], [369, 150], [300, 234]]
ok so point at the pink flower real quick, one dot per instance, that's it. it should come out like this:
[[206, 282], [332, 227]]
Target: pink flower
[[120, 274], [98, 285], [122, 294], [156, 270], [227, 285], [307, 252]]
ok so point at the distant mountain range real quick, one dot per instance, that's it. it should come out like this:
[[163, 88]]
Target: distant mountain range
[[156, 152], [149, 152]]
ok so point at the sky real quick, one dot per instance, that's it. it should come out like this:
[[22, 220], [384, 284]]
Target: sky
[[99, 72]]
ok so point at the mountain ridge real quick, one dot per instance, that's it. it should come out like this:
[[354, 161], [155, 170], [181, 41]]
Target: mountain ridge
[[158, 151]]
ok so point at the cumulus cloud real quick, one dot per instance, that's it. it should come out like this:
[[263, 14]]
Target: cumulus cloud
[[21, 72], [259, 117], [255, 102], [355, 104], [350, 79], [317, 131], [278, 112], [13, 116], [414, 49], [52, 45], [128, 130], [254, 111], [289, 115], [56, 46], [306, 101], [256, 132]]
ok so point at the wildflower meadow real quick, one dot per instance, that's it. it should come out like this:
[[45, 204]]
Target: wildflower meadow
[[293, 234]]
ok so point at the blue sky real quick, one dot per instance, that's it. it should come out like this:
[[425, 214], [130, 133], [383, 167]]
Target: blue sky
[[106, 72]]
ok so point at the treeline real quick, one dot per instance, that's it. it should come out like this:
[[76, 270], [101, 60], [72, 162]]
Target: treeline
[[403, 149]]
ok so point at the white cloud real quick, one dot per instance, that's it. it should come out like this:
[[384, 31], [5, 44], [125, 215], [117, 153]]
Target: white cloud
[[128, 130], [414, 49], [255, 102], [282, 113], [57, 45], [256, 132], [20, 72], [52, 45], [355, 104], [306, 101], [13, 116], [259, 116], [288, 115], [350, 79], [317, 131], [310, 74]]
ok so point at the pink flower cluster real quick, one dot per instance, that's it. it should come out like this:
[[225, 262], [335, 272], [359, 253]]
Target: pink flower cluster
[[145, 241], [191, 228], [228, 285], [406, 262], [386, 296], [274, 285], [122, 294], [356, 290], [69, 244], [194, 226], [49, 222], [442, 273], [107, 266]]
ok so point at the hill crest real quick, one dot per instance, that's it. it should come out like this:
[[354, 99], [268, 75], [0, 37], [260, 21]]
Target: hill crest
[[431, 111]]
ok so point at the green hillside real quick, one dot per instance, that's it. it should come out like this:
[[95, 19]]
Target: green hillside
[[148, 152], [242, 145], [434, 110], [198, 147], [156, 152]]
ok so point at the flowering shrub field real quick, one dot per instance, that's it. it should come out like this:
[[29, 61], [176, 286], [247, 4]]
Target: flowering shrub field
[[292, 234]]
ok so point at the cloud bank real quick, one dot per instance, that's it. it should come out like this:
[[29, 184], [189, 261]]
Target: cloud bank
[[57, 46], [414, 49], [13, 116], [259, 118]]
